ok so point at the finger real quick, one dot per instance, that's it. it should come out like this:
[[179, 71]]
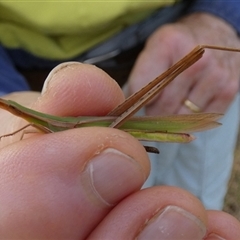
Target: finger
[[173, 96], [60, 186], [222, 225], [154, 60], [193, 85], [151, 62], [211, 99], [207, 89], [72, 89], [225, 96], [170, 100], [199, 97], [79, 89], [162, 212]]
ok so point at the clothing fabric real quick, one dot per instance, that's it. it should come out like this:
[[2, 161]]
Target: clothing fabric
[[20, 58], [10, 79], [65, 30], [227, 10], [203, 167]]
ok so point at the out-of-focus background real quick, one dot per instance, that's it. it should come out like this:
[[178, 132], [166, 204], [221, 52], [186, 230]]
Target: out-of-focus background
[[232, 201]]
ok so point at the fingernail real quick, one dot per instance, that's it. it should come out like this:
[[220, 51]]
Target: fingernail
[[173, 223], [111, 176], [214, 236], [52, 74]]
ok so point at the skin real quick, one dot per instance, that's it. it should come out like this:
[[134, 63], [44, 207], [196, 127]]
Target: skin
[[46, 185], [215, 76], [47, 190]]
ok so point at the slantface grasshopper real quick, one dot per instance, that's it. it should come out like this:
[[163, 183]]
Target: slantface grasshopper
[[162, 128]]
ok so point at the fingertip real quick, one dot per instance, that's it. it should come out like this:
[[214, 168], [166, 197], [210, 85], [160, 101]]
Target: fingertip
[[77, 89], [149, 204], [222, 225]]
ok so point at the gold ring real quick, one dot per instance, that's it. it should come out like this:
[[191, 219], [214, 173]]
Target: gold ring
[[191, 106]]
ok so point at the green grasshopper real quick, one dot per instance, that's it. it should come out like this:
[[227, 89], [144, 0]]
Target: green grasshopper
[[174, 128]]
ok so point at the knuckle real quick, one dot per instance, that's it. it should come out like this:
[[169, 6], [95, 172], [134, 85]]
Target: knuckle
[[230, 90]]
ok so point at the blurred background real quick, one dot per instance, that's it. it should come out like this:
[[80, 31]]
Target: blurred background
[[232, 200]]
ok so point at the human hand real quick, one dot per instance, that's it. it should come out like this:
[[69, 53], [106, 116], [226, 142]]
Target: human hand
[[85, 183], [211, 83]]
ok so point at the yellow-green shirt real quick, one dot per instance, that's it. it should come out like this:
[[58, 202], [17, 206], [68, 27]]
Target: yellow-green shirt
[[63, 29]]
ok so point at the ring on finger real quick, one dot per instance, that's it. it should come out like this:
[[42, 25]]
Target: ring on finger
[[192, 106]]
